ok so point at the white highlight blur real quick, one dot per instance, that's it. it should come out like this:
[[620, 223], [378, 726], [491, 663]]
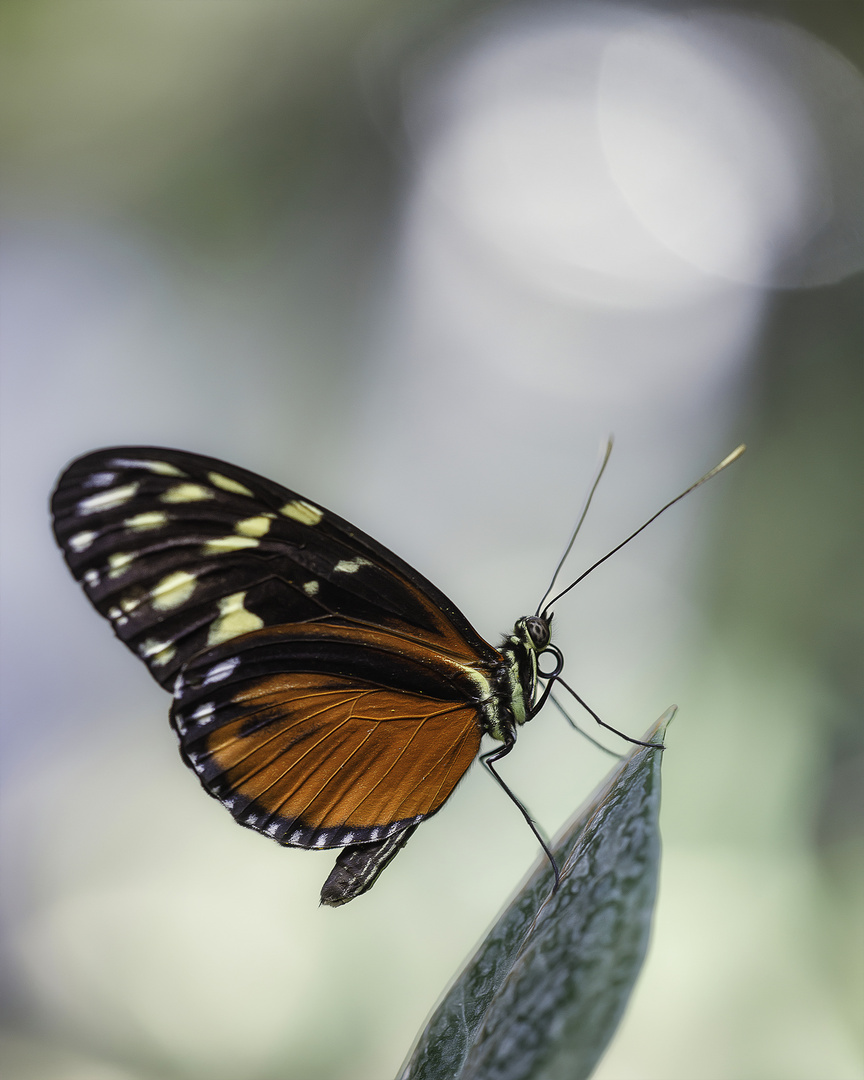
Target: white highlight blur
[[621, 157], [601, 198], [738, 142]]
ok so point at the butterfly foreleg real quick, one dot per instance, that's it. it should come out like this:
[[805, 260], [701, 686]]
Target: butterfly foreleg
[[602, 723], [584, 734]]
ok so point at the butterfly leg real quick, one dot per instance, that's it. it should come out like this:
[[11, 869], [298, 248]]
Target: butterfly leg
[[489, 759], [602, 723], [584, 734], [359, 866]]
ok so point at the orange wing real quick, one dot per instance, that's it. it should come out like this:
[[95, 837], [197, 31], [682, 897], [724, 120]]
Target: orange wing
[[318, 760]]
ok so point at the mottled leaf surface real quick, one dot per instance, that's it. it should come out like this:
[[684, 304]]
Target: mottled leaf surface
[[546, 990]]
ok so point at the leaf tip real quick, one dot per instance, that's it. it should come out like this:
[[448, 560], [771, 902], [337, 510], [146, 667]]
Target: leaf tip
[[657, 732]]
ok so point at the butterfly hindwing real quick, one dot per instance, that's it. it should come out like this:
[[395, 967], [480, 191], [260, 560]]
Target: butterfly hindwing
[[182, 552], [315, 759]]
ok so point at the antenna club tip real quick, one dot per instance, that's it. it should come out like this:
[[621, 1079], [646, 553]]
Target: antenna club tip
[[736, 453]]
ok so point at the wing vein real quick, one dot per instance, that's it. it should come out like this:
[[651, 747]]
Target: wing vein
[[401, 754]]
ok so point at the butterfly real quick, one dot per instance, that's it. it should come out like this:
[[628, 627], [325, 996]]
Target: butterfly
[[325, 692]]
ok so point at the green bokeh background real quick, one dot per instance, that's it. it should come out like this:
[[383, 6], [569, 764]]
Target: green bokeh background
[[201, 201]]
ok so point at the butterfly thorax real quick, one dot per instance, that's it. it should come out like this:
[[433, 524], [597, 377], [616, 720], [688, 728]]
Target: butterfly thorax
[[511, 707]]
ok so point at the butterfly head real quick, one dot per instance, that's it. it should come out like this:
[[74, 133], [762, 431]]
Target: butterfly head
[[530, 638]]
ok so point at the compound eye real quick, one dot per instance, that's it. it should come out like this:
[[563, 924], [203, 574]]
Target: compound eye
[[538, 630]]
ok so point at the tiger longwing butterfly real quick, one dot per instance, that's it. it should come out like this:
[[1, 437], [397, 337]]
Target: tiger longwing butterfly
[[325, 692]]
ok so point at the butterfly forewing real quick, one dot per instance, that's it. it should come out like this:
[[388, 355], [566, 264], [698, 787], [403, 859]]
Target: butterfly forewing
[[182, 552]]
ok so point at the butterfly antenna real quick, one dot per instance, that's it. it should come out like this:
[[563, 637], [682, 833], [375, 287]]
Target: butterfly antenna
[[736, 453], [582, 515]]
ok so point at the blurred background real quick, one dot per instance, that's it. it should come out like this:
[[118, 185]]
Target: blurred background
[[417, 261]]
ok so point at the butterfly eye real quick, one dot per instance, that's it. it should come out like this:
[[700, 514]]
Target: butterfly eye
[[538, 630]]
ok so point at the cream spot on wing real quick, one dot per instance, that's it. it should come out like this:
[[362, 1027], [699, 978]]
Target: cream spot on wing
[[203, 713], [81, 541], [301, 511], [119, 563], [350, 566], [152, 519], [227, 484], [311, 588], [173, 590], [161, 468], [129, 603], [158, 653], [184, 493], [99, 480], [233, 620], [254, 526], [107, 500], [221, 670], [92, 577], [228, 543], [117, 616]]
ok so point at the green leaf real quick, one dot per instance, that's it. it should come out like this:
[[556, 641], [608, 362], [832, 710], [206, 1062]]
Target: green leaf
[[544, 993]]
